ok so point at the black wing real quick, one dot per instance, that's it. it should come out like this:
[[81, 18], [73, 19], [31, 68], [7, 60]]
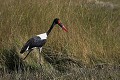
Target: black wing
[[33, 42]]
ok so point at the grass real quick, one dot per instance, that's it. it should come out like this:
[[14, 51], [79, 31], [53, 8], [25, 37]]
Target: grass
[[93, 39]]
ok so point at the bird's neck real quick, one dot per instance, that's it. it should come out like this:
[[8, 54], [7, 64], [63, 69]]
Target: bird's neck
[[50, 28]]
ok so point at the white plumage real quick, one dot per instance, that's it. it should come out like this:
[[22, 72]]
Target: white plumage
[[43, 36]]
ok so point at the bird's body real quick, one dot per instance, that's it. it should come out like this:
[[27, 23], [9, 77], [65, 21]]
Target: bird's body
[[36, 41], [39, 40]]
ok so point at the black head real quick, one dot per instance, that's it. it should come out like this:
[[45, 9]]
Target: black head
[[57, 21]]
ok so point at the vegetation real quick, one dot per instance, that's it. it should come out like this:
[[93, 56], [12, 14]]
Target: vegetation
[[89, 51]]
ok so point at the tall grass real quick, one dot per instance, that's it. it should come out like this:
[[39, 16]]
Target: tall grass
[[93, 30]]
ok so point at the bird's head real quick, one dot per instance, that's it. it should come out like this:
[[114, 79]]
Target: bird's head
[[57, 21]]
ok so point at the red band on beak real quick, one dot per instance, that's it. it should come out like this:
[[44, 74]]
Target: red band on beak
[[58, 22]]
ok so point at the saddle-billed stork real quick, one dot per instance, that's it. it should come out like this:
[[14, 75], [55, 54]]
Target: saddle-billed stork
[[39, 40]]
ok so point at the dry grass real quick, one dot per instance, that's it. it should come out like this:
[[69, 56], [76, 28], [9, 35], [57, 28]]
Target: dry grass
[[93, 37]]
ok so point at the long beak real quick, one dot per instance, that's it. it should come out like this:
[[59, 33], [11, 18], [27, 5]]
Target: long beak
[[63, 27]]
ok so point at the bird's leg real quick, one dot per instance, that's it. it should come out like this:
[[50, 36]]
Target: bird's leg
[[41, 60], [27, 54], [40, 49]]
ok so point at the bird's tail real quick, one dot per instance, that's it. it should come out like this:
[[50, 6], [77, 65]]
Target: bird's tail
[[25, 47], [22, 50]]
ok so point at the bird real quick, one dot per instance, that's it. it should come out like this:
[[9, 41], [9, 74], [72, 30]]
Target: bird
[[39, 41]]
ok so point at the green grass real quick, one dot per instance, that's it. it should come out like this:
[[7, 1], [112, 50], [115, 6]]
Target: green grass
[[93, 32]]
